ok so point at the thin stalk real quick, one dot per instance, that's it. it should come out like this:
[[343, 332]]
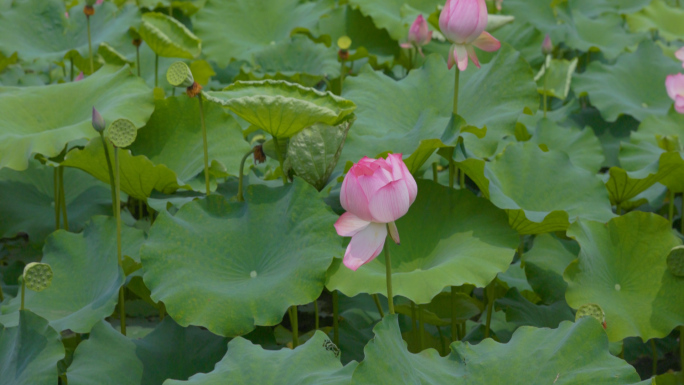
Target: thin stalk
[[452, 172], [414, 321], [421, 328], [336, 317], [454, 313], [280, 159], [342, 70], [388, 271], [521, 251], [71, 70], [456, 85], [137, 59], [671, 209], [90, 46], [171, 9], [681, 223], [461, 179], [681, 348], [490, 307], [618, 209], [156, 70], [546, 73], [23, 290], [140, 209], [377, 303], [117, 184], [58, 201], [206, 145], [654, 352], [240, 196], [316, 321], [410, 57], [63, 199], [2, 295], [434, 172], [295, 326], [111, 174], [441, 339], [162, 311]]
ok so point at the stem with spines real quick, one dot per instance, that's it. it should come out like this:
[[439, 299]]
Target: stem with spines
[[205, 143], [388, 272], [240, 196], [117, 183], [90, 46]]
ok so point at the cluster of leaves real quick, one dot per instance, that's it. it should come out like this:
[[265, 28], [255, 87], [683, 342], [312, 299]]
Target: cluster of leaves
[[560, 213]]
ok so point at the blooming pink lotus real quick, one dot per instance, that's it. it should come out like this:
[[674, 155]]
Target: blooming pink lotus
[[375, 193], [675, 88], [419, 35], [463, 22], [680, 55]]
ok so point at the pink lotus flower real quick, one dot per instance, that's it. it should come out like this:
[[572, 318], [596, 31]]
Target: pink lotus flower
[[675, 88], [419, 35], [680, 55], [375, 193], [79, 77], [463, 22]]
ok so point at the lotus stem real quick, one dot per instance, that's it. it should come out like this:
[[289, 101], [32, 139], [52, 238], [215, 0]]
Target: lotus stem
[[336, 317], [441, 339], [377, 304], [434, 172], [655, 357], [388, 271], [206, 145], [414, 324], [546, 73], [671, 207], [681, 348], [421, 328], [454, 314], [490, 306], [280, 158], [90, 46], [156, 70], [58, 201], [316, 317], [23, 290], [295, 326], [456, 86], [2, 295], [342, 69], [521, 251], [681, 223], [137, 59], [71, 70], [452, 171], [117, 183], [461, 179], [240, 196], [618, 209], [62, 198], [111, 174]]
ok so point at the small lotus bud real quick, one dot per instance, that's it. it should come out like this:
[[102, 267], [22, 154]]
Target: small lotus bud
[[179, 75], [547, 46], [89, 10], [98, 121], [137, 42], [259, 155]]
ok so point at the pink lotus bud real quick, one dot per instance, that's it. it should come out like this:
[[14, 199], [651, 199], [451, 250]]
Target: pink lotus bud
[[98, 121], [498, 4], [463, 22], [375, 192], [419, 35], [675, 88], [547, 46], [680, 55], [66, 14], [79, 77]]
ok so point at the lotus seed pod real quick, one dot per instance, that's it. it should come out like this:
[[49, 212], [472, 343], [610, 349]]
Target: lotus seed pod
[[344, 42], [122, 133], [675, 261], [179, 75], [37, 276], [591, 310], [98, 121]]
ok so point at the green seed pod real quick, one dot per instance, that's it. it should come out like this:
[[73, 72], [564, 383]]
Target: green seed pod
[[37, 276], [122, 133], [675, 261], [179, 75], [591, 310]]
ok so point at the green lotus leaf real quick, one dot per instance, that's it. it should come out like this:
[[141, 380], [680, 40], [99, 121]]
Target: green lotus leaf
[[169, 351], [111, 55], [173, 137], [539, 13], [522, 312], [545, 264], [396, 115], [562, 192], [29, 352], [139, 176], [27, 200], [624, 185], [298, 61], [231, 266], [314, 151], [168, 37], [280, 108], [605, 34], [675, 261], [634, 85], [66, 113], [660, 16], [396, 16], [252, 25], [466, 241], [86, 279], [627, 256], [558, 78], [593, 8], [582, 146], [315, 362], [37, 29]]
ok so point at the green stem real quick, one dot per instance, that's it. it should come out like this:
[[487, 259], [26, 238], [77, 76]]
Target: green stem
[[441, 339], [90, 46], [23, 290], [410, 57], [452, 172], [140, 209], [58, 201], [156, 70], [122, 310], [336, 317], [654, 352], [681, 348], [521, 251], [117, 186], [171, 9], [342, 71], [435, 177], [206, 144], [546, 73], [71, 70], [681, 224], [454, 314], [240, 196], [388, 271], [137, 59], [421, 329], [618, 209], [115, 203], [295, 326], [461, 179], [316, 321], [456, 85], [671, 208], [162, 311], [377, 304], [280, 159], [490, 307], [2, 295], [414, 321], [62, 198]]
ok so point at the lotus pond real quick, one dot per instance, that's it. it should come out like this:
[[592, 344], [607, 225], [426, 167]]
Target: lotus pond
[[341, 192]]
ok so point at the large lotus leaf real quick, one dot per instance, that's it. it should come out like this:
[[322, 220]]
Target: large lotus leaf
[[561, 192], [252, 25], [520, 311], [634, 85], [545, 264], [575, 353], [173, 137], [29, 352], [280, 108], [593, 8], [230, 266], [622, 268], [139, 176], [42, 120], [396, 16], [538, 13], [448, 238], [313, 363], [396, 115], [169, 351], [582, 146], [624, 185], [168, 37], [27, 200], [605, 34], [86, 279], [660, 16], [654, 128], [37, 29], [299, 60]]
